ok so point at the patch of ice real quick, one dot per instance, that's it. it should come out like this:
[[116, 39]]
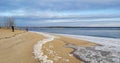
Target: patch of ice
[[38, 48], [70, 54], [56, 58], [99, 40], [51, 52], [66, 60], [96, 54], [109, 52]]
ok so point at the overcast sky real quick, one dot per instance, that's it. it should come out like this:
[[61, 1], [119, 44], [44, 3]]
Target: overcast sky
[[62, 12]]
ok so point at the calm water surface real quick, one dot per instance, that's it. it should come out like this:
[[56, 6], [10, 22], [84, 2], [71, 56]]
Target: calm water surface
[[99, 32]]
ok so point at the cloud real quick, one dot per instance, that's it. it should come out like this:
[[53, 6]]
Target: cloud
[[74, 12], [59, 5], [72, 22], [80, 23], [52, 15]]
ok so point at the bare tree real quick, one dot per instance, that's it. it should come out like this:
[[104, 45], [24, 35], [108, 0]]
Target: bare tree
[[8, 22], [3, 22]]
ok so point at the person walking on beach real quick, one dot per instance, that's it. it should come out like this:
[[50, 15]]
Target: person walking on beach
[[27, 29], [12, 27]]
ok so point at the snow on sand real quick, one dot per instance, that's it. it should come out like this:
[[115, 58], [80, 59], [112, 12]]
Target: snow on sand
[[97, 40], [38, 48], [107, 52]]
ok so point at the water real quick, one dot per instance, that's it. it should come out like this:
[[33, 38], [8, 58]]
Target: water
[[99, 32]]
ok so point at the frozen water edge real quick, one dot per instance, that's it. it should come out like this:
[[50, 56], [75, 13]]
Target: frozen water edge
[[38, 48], [96, 54], [109, 52], [98, 40]]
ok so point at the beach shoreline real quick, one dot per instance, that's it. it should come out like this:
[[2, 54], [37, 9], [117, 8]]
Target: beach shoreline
[[35, 47], [93, 49]]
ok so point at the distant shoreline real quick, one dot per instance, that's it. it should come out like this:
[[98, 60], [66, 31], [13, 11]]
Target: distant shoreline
[[100, 32], [68, 27]]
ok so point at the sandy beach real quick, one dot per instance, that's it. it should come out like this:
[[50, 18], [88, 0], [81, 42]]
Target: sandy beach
[[17, 47], [37, 47], [62, 54], [59, 31], [63, 48]]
